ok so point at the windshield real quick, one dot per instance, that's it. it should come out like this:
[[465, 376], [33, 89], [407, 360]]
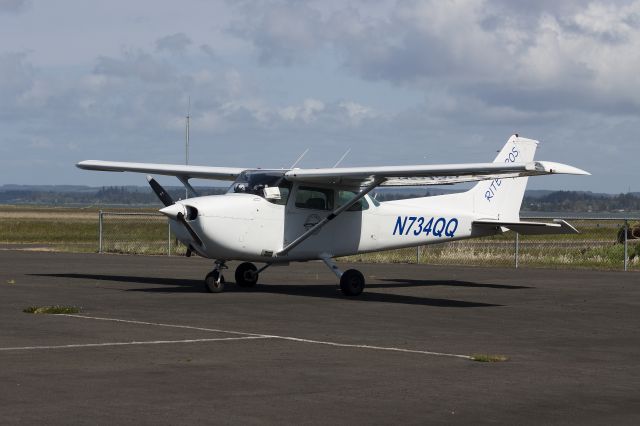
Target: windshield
[[263, 184]]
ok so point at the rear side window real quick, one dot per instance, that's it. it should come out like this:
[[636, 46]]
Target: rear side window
[[308, 197]]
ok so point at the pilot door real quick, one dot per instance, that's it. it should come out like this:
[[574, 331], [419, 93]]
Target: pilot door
[[308, 205]]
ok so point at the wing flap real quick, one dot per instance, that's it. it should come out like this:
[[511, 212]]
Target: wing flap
[[558, 226], [185, 171]]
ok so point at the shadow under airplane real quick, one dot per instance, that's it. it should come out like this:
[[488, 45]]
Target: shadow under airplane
[[400, 282], [328, 291]]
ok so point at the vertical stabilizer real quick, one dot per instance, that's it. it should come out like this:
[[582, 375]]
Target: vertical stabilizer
[[501, 198]]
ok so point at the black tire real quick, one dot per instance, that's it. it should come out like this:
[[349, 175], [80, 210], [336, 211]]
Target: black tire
[[352, 283], [246, 275], [212, 284]]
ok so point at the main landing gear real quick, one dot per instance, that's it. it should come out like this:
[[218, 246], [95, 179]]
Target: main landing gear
[[351, 281], [246, 275]]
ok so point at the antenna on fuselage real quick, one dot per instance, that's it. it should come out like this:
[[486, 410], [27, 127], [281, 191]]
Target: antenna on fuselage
[[342, 158], [295, 163]]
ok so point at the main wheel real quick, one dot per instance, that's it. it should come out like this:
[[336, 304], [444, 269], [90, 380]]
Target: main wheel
[[352, 282], [246, 275], [214, 282]]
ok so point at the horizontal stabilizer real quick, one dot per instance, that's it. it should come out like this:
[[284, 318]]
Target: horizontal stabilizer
[[530, 228]]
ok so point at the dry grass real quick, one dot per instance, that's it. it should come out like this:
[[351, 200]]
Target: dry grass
[[76, 230], [51, 310], [488, 358]]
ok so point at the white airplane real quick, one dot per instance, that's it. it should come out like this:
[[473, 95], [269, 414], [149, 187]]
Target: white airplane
[[278, 216]]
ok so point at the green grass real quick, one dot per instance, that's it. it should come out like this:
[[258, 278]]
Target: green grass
[[51, 310], [76, 230], [594, 247], [488, 358]]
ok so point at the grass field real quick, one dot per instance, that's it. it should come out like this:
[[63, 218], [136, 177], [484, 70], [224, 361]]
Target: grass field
[[76, 230]]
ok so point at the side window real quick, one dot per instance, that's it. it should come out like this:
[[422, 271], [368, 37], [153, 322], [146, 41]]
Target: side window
[[285, 190], [314, 198], [284, 195], [345, 196]]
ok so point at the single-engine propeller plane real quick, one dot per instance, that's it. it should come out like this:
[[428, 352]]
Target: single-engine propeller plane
[[276, 216]]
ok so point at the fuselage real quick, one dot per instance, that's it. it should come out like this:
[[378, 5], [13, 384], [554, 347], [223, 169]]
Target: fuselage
[[248, 227]]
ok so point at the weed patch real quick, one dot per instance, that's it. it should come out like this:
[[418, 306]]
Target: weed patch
[[488, 358], [51, 310]]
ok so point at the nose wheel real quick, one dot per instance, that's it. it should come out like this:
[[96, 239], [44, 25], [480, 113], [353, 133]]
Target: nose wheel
[[214, 281]]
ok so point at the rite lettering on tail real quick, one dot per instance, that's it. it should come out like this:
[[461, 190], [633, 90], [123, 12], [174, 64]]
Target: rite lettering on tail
[[495, 184]]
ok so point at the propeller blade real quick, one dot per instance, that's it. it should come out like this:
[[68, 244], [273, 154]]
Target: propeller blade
[[180, 218], [162, 193]]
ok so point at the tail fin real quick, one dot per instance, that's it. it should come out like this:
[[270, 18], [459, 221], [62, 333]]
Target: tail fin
[[501, 198]]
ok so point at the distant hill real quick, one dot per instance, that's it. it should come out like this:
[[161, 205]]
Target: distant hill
[[534, 200], [87, 195]]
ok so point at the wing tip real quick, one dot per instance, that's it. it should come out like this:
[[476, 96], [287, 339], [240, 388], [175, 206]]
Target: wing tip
[[559, 168]]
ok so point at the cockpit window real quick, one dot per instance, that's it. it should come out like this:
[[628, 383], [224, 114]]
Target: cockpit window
[[269, 185]]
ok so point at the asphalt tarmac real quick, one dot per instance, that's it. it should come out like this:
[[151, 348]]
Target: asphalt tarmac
[[151, 347]]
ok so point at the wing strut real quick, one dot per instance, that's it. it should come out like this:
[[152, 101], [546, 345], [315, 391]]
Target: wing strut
[[185, 182], [364, 191]]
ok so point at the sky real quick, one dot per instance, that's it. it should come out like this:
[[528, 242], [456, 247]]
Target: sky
[[396, 81]]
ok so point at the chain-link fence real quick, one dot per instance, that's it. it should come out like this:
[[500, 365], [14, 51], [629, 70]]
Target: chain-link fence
[[608, 243], [136, 233]]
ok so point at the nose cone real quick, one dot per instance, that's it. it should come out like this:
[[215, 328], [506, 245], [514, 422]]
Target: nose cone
[[173, 210]]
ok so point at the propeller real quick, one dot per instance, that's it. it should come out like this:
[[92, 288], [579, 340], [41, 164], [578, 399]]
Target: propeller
[[173, 210], [162, 194], [180, 218]]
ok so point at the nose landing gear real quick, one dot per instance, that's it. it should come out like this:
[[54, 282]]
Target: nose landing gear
[[214, 281]]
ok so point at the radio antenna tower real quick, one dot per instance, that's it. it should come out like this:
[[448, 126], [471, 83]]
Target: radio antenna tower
[[186, 142]]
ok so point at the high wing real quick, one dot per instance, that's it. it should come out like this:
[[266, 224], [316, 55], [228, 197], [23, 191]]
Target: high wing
[[180, 171], [429, 174], [355, 176]]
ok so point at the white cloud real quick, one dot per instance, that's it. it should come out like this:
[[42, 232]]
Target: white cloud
[[356, 112], [397, 81], [306, 112], [588, 50]]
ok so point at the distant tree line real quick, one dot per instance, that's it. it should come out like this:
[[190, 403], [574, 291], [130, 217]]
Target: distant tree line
[[109, 195], [561, 201], [558, 201]]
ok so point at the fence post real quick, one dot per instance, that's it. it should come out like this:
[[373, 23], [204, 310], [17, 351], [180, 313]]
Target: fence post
[[99, 231], [517, 249], [626, 250], [169, 239]]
